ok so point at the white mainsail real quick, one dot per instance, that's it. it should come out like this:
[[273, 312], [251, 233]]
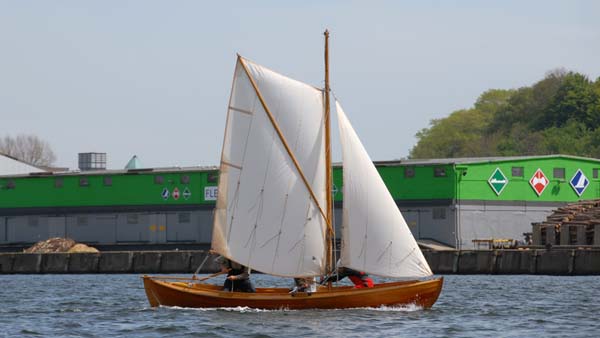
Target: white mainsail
[[375, 237], [265, 216]]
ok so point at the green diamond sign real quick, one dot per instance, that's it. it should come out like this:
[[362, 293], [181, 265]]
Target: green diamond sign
[[498, 181]]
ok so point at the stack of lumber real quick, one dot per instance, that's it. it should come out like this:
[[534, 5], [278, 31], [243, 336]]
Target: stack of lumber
[[582, 213]]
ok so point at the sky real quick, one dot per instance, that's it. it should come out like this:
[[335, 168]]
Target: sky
[[153, 78]]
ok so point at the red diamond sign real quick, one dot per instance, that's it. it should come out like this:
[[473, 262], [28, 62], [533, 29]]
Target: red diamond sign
[[539, 182], [176, 193]]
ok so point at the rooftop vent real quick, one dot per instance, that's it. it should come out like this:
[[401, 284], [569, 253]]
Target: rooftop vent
[[92, 161]]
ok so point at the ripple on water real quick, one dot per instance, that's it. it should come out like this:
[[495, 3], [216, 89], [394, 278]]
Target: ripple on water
[[469, 306], [30, 332]]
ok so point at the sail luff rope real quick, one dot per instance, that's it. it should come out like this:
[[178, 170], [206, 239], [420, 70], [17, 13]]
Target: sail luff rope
[[220, 197]]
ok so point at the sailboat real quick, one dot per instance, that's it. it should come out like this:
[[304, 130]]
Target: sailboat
[[274, 211]]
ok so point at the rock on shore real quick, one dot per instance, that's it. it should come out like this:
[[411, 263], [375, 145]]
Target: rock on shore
[[57, 244]]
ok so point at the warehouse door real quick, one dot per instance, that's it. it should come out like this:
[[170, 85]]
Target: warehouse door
[[158, 229], [134, 227], [3, 230], [412, 220], [182, 227], [23, 229], [56, 227]]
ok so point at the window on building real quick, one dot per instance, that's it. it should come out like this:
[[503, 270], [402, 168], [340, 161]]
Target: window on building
[[595, 172], [185, 179], [212, 178], [439, 213], [559, 172], [58, 183], [33, 221], [517, 171], [409, 172], [185, 217], [84, 182], [439, 172], [107, 181], [82, 221], [159, 180], [133, 219], [10, 184]]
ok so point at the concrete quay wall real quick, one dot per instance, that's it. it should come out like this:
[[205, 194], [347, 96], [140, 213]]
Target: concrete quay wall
[[514, 262], [539, 261], [107, 262]]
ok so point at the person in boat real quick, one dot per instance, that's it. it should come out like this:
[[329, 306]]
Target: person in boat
[[359, 279], [304, 285], [238, 276]]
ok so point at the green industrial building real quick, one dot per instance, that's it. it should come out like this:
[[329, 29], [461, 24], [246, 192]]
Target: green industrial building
[[444, 201]]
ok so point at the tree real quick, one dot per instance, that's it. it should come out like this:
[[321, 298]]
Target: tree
[[558, 114], [576, 99], [493, 100], [455, 136], [28, 148], [573, 138]]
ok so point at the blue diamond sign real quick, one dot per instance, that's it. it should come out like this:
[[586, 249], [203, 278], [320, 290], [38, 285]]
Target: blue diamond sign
[[579, 182], [165, 194], [498, 181]]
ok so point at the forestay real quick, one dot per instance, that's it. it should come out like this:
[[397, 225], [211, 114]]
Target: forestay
[[265, 217], [375, 237]]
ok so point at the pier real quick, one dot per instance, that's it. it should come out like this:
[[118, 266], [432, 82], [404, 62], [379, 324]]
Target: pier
[[564, 261]]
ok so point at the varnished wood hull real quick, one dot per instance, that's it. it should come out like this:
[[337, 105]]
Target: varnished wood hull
[[186, 293]]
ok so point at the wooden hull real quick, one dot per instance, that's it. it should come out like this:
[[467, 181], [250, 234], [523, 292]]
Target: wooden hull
[[186, 293]]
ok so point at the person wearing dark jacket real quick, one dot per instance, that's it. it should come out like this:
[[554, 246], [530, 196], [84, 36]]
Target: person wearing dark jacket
[[238, 277], [358, 278]]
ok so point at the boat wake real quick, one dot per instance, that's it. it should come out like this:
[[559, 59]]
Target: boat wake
[[384, 308], [399, 308], [240, 309], [245, 309]]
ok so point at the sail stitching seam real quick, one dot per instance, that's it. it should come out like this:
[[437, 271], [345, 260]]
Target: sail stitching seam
[[243, 111], [239, 167]]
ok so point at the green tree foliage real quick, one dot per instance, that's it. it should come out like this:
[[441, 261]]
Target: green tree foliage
[[559, 114]]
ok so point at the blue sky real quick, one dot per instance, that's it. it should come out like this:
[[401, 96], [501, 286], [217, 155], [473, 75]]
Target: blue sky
[[152, 78]]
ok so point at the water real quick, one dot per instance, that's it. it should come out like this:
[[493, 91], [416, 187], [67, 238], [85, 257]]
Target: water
[[469, 306]]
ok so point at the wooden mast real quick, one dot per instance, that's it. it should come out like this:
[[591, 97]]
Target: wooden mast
[[328, 185]]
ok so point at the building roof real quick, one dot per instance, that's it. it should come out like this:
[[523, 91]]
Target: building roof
[[435, 161], [118, 172], [471, 160]]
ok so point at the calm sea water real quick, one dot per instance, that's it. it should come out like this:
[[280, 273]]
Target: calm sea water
[[470, 306]]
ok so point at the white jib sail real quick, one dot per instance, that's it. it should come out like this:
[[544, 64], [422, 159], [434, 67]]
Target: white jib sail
[[375, 237], [265, 217]]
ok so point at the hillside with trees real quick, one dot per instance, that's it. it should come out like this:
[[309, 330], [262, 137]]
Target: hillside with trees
[[558, 115]]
